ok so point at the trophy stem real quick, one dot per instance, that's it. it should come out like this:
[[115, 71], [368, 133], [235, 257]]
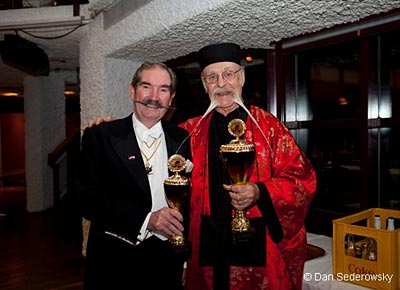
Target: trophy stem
[[239, 222]]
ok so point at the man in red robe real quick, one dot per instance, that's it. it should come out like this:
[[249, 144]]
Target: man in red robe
[[275, 200]]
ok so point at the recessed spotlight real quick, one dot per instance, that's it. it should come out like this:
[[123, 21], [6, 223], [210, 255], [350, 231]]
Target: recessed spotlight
[[70, 93]]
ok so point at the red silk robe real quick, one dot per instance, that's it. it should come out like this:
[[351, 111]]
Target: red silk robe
[[290, 179]]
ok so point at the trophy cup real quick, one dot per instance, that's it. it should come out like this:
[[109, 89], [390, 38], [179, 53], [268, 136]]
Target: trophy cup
[[177, 190], [237, 158]]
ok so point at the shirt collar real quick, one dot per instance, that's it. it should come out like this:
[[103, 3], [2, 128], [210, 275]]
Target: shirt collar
[[145, 134]]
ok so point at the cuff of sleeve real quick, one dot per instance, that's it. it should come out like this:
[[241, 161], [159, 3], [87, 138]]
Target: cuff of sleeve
[[144, 233], [267, 209]]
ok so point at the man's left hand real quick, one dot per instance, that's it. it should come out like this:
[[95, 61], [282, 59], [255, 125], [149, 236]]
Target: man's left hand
[[243, 196]]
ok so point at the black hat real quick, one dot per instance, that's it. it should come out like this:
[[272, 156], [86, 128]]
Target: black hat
[[219, 52]]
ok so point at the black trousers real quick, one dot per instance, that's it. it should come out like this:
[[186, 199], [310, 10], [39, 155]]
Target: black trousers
[[123, 266]]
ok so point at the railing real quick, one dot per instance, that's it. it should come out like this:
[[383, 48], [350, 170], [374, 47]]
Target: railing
[[69, 150]]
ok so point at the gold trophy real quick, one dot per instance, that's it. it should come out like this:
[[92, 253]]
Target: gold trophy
[[177, 190], [237, 158]]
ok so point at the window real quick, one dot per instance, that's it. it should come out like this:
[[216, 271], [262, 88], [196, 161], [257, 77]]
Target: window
[[342, 103]]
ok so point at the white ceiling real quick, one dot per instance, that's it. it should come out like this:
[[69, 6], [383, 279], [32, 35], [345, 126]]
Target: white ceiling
[[255, 22]]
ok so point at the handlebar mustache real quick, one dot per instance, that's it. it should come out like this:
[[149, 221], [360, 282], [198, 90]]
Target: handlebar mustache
[[154, 104]]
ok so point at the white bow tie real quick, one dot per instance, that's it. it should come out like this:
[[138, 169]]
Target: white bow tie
[[155, 132], [150, 135]]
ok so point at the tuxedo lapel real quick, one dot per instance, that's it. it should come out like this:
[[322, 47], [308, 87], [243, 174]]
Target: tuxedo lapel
[[127, 148], [129, 152]]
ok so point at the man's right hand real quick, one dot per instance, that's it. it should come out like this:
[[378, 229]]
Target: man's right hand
[[167, 221]]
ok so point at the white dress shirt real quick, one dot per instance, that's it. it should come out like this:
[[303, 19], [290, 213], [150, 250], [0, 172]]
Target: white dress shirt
[[159, 169]]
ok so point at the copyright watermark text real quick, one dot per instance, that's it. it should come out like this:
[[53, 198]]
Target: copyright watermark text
[[345, 277]]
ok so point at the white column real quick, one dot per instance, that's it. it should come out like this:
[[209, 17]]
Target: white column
[[104, 80], [44, 106]]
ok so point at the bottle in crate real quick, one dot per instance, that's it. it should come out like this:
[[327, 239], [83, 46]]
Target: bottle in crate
[[377, 223], [372, 250], [390, 224], [350, 247]]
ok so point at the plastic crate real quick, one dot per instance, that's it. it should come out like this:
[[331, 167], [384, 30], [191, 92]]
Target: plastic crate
[[359, 270]]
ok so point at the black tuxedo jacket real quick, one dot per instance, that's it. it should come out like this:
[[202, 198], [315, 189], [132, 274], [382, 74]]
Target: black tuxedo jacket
[[114, 191]]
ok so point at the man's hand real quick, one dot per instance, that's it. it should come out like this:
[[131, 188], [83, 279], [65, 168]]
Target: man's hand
[[98, 121], [167, 221], [243, 196]]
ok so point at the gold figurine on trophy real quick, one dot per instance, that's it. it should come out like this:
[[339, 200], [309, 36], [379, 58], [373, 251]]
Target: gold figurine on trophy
[[177, 190], [237, 157]]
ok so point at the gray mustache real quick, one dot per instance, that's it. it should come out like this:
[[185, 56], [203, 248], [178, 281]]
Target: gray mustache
[[154, 104]]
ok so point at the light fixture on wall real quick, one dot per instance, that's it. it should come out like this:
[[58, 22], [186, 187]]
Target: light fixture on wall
[[343, 101], [249, 58], [9, 94], [70, 93], [6, 92]]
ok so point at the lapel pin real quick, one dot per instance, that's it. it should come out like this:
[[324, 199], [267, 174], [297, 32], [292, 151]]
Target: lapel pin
[[131, 157]]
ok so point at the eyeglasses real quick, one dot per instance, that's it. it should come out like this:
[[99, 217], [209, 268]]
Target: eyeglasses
[[228, 75]]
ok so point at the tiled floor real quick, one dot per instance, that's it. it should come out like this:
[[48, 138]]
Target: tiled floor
[[38, 251]]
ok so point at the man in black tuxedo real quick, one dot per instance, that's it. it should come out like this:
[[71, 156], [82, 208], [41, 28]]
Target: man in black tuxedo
[[123, 166]]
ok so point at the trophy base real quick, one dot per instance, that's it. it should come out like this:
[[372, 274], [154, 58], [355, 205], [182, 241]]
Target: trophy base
[[184, 250], [249, 248], [243, 238]]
